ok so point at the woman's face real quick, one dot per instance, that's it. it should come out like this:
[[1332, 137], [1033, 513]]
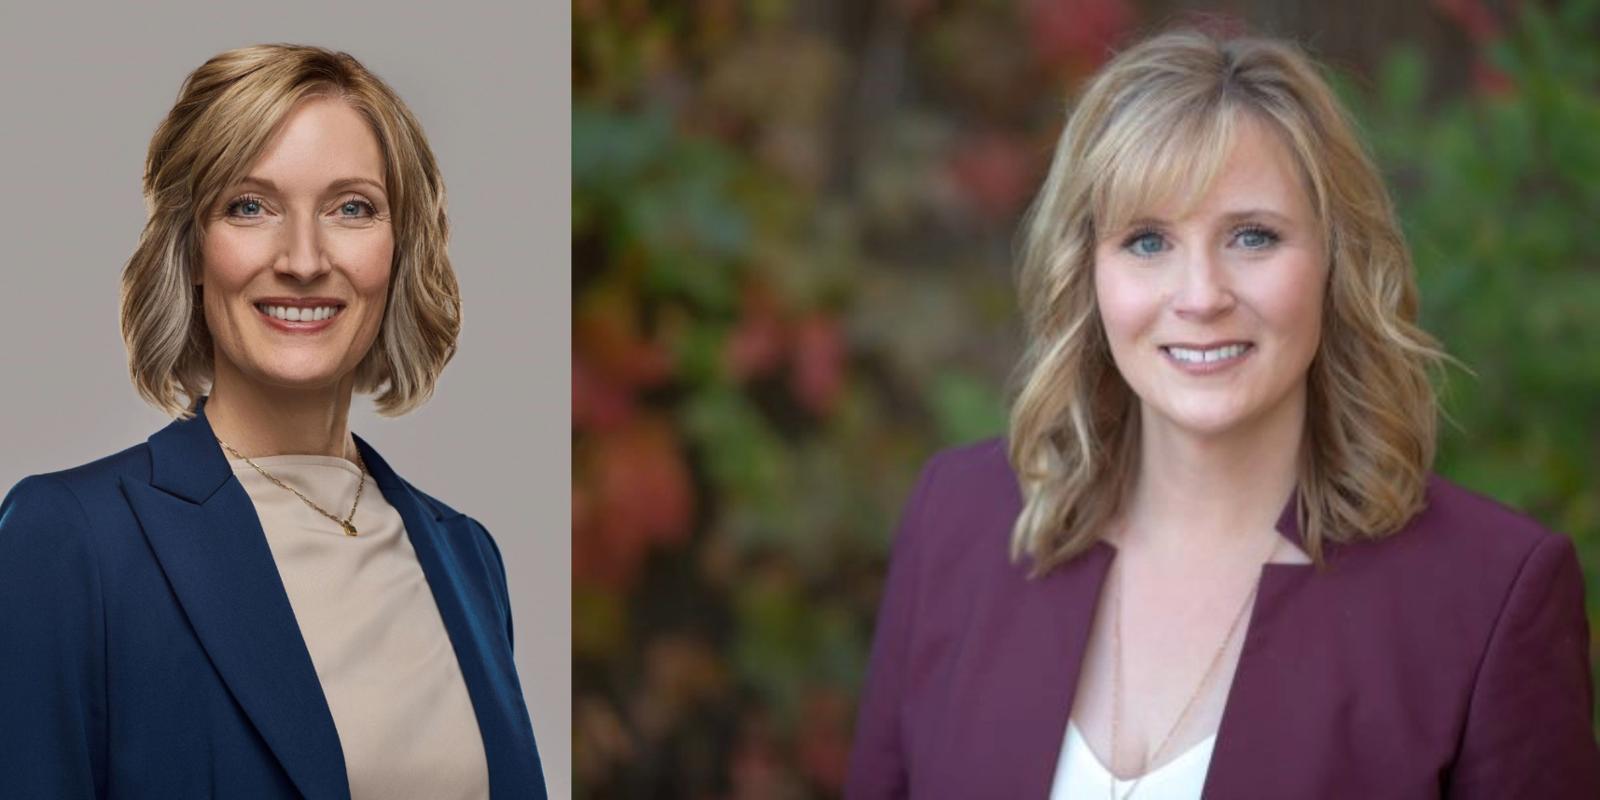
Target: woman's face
[[296, 257], [1213, 318]]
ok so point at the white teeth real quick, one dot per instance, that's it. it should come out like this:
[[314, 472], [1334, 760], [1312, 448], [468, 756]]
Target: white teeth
[[298, 314], [1189, 356]]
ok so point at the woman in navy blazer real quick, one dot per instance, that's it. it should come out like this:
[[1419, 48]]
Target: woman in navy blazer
[[294, 254], [1209, 559]]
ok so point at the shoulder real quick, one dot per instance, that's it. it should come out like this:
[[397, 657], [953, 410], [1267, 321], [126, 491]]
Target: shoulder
[[1478, 517], [982, 466], [53, 525], [1454, 568], [975, 476], [83, 486], [445, 513], [475, 548], [456, 530], [963, 507], [36, 496], [102, 472], [440, 509], [475, 534], [1496, 599], [1474, 535]]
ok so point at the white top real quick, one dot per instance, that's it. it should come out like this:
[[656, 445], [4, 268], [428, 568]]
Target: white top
[[368, 617], [1080, 775]]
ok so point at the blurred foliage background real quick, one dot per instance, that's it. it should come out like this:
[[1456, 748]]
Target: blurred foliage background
[[792, 234]]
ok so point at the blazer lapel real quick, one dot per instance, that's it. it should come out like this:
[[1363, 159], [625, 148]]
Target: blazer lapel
[[205, 533], [1270, 671], [1003, 704], [1253, 742], [440, 539], [1044, 687]]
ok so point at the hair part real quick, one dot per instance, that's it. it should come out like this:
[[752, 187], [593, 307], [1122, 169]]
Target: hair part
[[1156, 124], [226, 113]]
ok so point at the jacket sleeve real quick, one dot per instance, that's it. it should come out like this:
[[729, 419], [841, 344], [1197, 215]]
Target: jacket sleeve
[[878, 767], [1529, 731], [502, 591], [52, 647], [536, 787]]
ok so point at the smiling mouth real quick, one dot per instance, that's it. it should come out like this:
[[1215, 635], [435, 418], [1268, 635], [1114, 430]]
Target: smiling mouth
[[1212, 355], [299, 313]]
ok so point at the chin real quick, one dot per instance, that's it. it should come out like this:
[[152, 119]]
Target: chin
[[300, 377], [1206, 427], [1206, 420]]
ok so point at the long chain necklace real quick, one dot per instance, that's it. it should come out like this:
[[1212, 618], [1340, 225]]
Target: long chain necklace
[[349, 529], [1116, 681]]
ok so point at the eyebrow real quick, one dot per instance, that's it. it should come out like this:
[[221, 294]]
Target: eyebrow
[[1230, 218], [1256, 213], [338, 185]]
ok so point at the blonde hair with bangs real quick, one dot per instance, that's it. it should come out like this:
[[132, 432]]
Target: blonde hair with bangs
[[226, 112], [1157, 122]]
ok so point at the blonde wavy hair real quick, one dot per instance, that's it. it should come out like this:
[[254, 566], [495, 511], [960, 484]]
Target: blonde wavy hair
[[226, 113], [1156, 122]]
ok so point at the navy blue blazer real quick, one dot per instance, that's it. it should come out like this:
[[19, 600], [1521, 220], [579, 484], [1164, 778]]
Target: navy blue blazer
[[148, 649]]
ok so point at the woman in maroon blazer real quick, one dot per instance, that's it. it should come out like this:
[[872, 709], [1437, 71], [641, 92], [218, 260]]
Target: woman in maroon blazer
[[1209, 559]]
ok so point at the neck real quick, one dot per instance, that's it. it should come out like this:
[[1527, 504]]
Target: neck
[[1204, 493], [267, 421]]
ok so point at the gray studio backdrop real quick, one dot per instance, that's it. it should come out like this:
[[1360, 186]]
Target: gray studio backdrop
[[82, 89]]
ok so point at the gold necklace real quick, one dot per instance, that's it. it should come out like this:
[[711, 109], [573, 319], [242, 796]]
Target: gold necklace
[[1116, 681], [349, 529]]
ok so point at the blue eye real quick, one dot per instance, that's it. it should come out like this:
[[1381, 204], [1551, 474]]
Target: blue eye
[[1145, 244], [356, 208], [1255, 238], [245, 207]]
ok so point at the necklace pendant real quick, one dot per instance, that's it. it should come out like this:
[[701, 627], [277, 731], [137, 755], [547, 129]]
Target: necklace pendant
[[349, 530]]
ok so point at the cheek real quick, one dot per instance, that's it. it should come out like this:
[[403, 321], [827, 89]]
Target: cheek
[[227, 264], [368, 262], [1302, 301], [227, 261], [1293, 308], [1126, 306]]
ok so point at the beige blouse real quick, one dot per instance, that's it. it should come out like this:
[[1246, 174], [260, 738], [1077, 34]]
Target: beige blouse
[[369, 620]]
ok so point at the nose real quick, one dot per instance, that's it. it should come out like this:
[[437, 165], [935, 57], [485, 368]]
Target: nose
[[303, 258], [1204, 292]]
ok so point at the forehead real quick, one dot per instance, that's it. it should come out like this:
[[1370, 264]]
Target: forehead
[[1172, 168], [321, 138]]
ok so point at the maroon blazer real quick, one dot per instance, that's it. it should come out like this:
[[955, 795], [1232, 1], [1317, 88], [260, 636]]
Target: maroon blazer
[[1449, 660]]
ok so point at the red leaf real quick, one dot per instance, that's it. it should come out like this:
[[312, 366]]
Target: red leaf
[[1076, 34], [756, 346], [995, 172], [606, 331], [822, 740], [755, 768], [818, 371], [597, 404], [1490, 80], [636, 493], [1473, 17]]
